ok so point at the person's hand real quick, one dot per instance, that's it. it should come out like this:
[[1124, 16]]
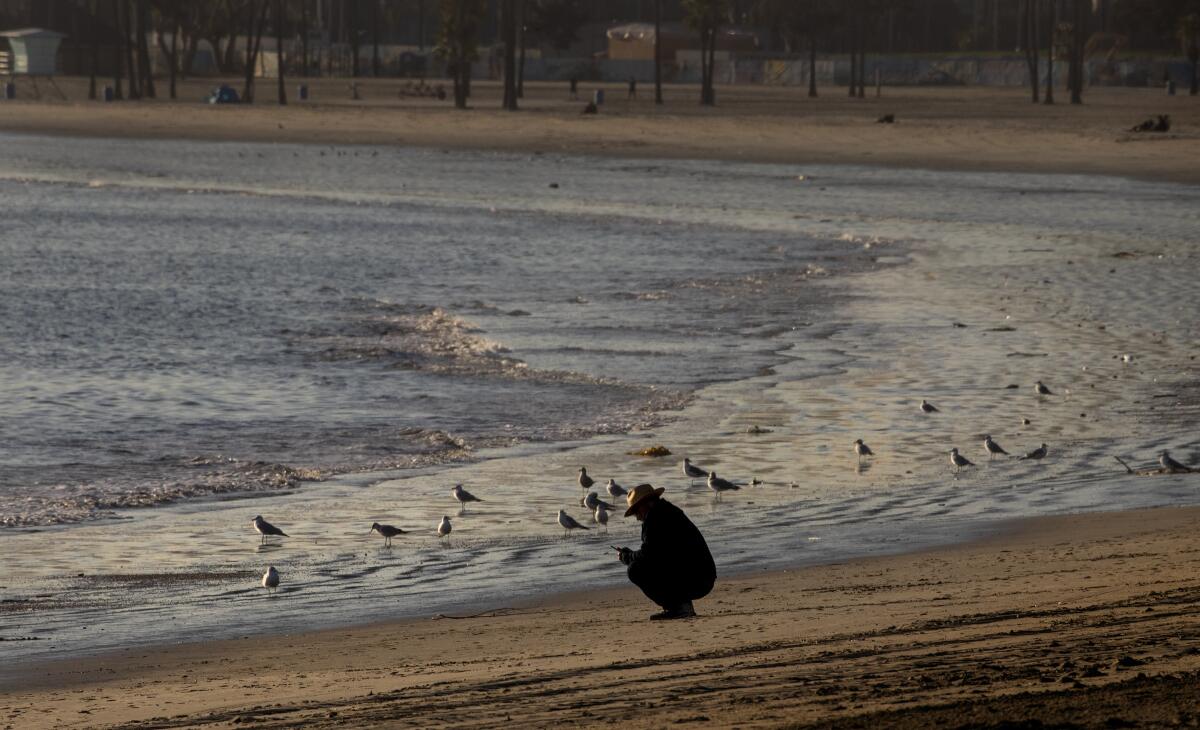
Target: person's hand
[[625, 556]]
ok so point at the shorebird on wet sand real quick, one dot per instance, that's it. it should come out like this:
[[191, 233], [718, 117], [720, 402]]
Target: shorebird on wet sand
[[585, 482], [615, 490], [1170, 465], [693, 472], [992, 447], [927, 407], [568, 523], [592, 500], [387, 531], [463, 496], [1038, 453], [444, 527], [270, 579], [601, 516], [862, 449], [1041, 388], [718, 485], [958, 460], [266, 528]]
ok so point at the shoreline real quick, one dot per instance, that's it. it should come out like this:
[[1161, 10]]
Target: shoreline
[[961, 129], [809, 653]]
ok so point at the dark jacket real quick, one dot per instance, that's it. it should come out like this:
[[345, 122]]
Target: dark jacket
[[674, 557]]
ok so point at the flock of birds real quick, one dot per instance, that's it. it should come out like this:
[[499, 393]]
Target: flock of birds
[[957, 460], [600, 509]]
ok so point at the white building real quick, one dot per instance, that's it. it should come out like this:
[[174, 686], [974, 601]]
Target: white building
[[34, 51]]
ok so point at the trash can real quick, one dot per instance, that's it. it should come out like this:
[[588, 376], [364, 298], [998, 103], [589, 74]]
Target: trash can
[[598, 97], [10, 90], [108, 93], [302, 92]]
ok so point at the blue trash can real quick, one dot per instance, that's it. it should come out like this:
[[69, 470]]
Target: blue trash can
[[302, 92], [108, 93], [10, 90], [598, 97]]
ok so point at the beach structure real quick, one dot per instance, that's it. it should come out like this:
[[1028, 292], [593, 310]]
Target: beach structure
[[33, 53]]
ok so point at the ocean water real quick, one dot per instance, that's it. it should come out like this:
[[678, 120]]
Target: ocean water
[[193, 333]]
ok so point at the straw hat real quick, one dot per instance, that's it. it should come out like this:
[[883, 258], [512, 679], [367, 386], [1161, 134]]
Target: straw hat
[[638, 493]]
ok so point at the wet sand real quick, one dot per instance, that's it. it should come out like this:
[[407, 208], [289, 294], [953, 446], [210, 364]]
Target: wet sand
[[1054, 620], [936, 128], [1087, 618]]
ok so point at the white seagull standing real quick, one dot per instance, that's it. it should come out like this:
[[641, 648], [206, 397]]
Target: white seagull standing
[[992, 447], [1170, 465], [615, 490], [927, 407], [568, 522], [601, 516], [266, 528], [1041, 388], [387, 531], [592, 500], [1038, 453], [958, 460], [270, 579], [585, 482], [444, 527], [718, 485], [463, 496], [862, 449], [693, 472]]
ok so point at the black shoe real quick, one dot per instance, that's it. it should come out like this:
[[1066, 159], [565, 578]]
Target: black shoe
[[683, 610]]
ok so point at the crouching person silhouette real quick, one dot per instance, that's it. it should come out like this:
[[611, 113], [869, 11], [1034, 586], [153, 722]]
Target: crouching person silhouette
[[673, 567]]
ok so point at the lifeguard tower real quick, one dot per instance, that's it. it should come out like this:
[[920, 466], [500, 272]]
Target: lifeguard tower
[[33, 54]]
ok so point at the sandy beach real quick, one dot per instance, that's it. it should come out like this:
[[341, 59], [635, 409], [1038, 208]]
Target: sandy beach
[[1088, 619], [1072, 620], [936, 128]]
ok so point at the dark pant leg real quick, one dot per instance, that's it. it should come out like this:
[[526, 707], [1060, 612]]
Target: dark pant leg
[[659, 586]]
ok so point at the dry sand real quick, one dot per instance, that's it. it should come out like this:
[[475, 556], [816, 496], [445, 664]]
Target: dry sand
[[1096, 617], [1090, 619], [939, 128]]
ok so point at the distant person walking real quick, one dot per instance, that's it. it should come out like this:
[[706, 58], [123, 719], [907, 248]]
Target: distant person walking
[[632, 87], [574, 88], [673, 567]]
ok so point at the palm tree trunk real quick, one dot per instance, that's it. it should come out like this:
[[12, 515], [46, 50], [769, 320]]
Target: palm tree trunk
[[1050, 53], [119, 48], [812, 65], [279, 51], [658, 97]]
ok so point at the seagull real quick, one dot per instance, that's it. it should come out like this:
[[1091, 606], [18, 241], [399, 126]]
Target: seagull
[[1170, 465], [387, 531], [601, 516], [992, 447], [958, 460], [592, 500], [585, 482], [693, 472], [568, 522], [463, 496], [266, 528], [862, 449], [615, 490], [1038, 453], [1041, 388], [718, 485], [444, 527], [270, 579], [928, 407]]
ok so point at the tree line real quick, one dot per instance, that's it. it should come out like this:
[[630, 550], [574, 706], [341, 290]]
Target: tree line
[[1045, 31]]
